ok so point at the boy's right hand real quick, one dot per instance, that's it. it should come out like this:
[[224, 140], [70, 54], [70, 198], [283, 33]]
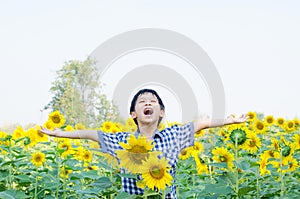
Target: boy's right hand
[[49, 132]]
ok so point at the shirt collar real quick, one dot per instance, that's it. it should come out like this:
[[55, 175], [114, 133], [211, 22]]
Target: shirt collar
[[156, 133]]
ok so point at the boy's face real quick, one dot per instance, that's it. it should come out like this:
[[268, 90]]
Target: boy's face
[[147, 109]]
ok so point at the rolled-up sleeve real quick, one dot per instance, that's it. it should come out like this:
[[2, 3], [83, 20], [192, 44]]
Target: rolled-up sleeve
[[109, 142], [185, 135]]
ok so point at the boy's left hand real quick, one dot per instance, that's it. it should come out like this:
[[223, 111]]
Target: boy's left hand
[[236, 120]]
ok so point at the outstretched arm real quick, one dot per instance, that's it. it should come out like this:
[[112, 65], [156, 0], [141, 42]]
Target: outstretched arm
[[209, 123], [76, 134]]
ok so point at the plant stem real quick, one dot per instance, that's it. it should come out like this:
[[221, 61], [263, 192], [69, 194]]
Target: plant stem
[[58, 171], [237, 171], [35, 188], [257, 183], [281, 176]]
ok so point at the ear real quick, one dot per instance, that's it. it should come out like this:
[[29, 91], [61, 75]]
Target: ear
[[133, 115], [162, 113]]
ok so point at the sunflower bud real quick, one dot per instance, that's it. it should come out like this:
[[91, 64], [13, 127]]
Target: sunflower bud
[[286, 150], [238, 134]]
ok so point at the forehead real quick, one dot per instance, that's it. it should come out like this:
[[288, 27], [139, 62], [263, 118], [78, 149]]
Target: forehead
[[147, 95]]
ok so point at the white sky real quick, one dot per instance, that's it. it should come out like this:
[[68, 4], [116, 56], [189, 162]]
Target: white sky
[[254, 45]]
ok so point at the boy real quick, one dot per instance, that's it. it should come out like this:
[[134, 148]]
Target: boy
[[147, 110]]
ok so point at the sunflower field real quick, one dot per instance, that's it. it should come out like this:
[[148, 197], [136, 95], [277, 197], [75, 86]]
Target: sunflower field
[[257, 159]]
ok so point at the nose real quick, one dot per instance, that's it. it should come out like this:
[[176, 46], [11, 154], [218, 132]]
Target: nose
[[148, 103]]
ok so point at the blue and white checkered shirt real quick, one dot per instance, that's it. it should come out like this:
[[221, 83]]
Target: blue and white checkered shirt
[[169, 141]]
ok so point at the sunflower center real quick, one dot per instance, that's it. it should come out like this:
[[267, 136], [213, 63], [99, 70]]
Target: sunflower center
[[286, 150], [290, 124], [56, 119], [183, 152], [280, 121], [223, 159], [38, 158], [40, 134], [66, 146], [138, 153], [157, 172], [260, 126], [239, 135], [270, 120], [252, 143], [251, 116]]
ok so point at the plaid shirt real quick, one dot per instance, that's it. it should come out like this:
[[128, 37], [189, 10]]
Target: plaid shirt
[[169, 141]]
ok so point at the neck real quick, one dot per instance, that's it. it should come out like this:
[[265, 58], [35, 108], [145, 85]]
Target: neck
[[147, 130]]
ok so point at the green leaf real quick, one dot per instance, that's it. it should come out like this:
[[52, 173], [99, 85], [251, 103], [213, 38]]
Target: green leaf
[[122, 195], [23, 178], [245, 190], [90, 174], [219, 164], [244, 164], [102, 183], [218, 189], [7, 195], [12, 194]]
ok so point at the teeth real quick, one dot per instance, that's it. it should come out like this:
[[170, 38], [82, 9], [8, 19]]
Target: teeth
[[148, 111]]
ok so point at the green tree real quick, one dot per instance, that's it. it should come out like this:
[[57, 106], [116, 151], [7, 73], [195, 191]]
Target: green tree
[[77, 95]]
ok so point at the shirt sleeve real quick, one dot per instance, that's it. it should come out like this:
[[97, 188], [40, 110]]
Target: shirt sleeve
[[109, 142], [185, 135]]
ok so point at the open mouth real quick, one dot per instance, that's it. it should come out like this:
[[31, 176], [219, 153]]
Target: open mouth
[[148, 111]]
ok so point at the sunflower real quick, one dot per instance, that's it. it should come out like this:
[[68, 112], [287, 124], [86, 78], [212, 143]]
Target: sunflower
[[66, 147], [296, 121], [64, 172], [136, 151], [49, 125], [79, 126], [169, 124], [130, 125], [292, 164], [269, 120], [271, 154], [86, 156], [275, 144], [259, 126], [36, 136], [38, 158], [196, 148], [115, 128], [155, 173], [252, 143], [199, 133], [56, 119], [290, 126], [111, 160], [184, 154], [237, 132], [69, 128], [91, 168], [223, 155], [296, 142], [201, 166], [3, 136], [280, 122], [161, 126], [263, 166], [223, 134], [251, 115], [106, 126], [18, 133]]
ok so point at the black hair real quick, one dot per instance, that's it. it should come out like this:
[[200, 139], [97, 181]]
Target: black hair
[[146, 90]]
